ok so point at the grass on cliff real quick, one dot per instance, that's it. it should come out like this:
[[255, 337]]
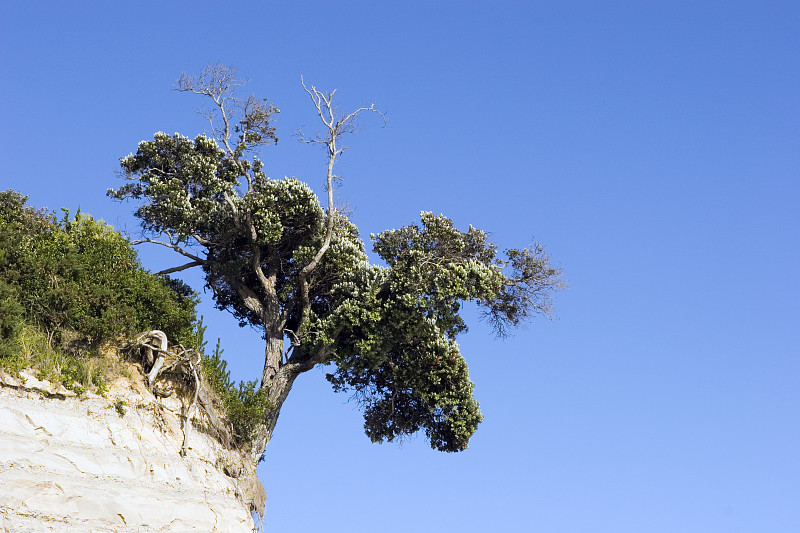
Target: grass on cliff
[[32, 348]]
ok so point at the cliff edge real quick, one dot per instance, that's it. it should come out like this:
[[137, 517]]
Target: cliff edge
[[113, 463]]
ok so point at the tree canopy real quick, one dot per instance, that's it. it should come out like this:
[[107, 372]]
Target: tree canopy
[[277, 259]]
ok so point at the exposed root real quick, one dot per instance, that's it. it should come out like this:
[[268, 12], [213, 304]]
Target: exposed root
[[173, 370]]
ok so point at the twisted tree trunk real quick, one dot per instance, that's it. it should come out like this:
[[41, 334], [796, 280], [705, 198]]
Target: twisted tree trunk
[[277, 381]]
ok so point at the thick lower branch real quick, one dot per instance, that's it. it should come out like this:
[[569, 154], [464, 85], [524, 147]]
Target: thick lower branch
[[250, 299]]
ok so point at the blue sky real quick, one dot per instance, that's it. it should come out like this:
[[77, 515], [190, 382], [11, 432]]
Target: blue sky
[[653, 147]]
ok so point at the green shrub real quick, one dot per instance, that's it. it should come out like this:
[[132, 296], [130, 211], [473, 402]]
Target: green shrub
[[245, 405], [67, 286], [81, 275], [246, 410], [99, 381], [76, 283]]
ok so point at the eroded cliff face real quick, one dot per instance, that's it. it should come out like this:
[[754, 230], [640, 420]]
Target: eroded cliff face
[[70, 464]]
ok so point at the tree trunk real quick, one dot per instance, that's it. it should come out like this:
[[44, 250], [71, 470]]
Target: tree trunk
[[273, 356], [277, 381], [277, 391]]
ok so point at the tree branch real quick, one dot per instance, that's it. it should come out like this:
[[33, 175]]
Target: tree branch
[[179, 268], [251, 300], [335, 129], [202, 241], [172, 246], [219, 83]]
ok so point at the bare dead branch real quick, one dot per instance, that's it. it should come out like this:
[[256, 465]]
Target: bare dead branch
[[178, 268], [334, 129], [247, 118], [172, 246]]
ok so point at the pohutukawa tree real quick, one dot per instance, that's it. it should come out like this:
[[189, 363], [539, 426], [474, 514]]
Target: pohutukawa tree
[[279, 260]]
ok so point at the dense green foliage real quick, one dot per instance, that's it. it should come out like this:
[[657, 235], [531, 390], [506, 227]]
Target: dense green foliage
[[275, 258], [78, 275], [69, 285]]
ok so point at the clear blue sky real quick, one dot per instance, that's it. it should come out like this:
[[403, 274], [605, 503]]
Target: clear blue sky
[[653, 147]]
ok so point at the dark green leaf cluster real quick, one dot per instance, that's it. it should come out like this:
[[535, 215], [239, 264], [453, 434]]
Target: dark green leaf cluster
[[12, 318], [79, 275], [289, 224], [397, 326]]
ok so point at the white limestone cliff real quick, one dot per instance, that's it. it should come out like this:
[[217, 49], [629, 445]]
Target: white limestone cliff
[[70, 464]]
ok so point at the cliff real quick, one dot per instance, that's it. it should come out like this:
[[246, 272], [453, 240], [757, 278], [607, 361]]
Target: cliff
[[114, 463]]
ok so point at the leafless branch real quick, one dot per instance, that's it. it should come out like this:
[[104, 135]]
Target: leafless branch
[[178, 268], [172, 246], [248, 118], [335, 126], [219, 83]]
